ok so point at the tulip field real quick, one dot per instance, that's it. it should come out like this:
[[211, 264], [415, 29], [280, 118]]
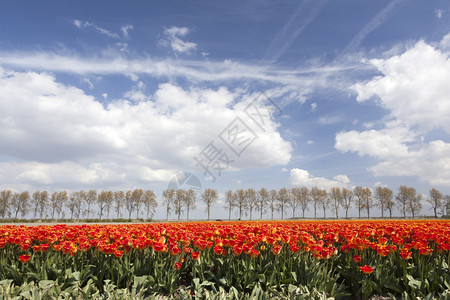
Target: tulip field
[[227, 260]]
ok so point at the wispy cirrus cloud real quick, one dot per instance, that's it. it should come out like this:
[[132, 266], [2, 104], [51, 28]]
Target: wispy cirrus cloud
[[192, 70], [305, 13], [84, 24], [373, 24]]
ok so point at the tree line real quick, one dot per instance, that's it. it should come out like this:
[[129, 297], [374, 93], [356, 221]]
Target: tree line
[[245, 202], [78, 204]]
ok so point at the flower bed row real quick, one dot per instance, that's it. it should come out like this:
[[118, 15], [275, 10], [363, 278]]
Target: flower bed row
[[341, 259]]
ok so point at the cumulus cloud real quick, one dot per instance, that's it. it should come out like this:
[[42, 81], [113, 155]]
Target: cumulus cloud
[[385, 143], [53, 133], [413, 87], [172, 39], [300, 177]]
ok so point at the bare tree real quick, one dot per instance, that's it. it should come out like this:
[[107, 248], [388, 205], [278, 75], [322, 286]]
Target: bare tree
[[35, 202], [359, 194], [436, 200], [415, 204], [323, 200], [384, 196], [446, 205], [168, 199], [104, 200], [230, 202], [90, 198], [80, 205], [150, 203], [337, 199], [284, 196], [263, 198], [293, 200], [301, 197], [404, 196], [119, 199], [129, 203], [40, 201], [241, 202], [137, 200], [320, 198], [5, 197], [54, 203], [109, 203], [180, 197], [251, 198], [273, 196], [347, 196], [304, 198], [368, 200], [190, 200], [20, 203], [209, 196], [62, 198], [73, 203]]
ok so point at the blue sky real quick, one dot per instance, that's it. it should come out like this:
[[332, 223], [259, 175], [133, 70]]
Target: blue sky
[[115, 95]]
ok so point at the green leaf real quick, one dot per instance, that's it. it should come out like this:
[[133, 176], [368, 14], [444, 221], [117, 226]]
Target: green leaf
[[413, 283], [394, 287]]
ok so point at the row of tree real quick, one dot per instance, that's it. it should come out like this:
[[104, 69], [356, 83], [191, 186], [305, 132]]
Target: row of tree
[[246, 202], [42, 204], [80, 203]]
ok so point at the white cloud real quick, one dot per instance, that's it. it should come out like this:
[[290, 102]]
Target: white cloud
[[385, 143], [300, 177], [52, 133], [328, 120], [439, 13], [173, 40], [445, 42], [384, 14], [431, 162], [302, 81], [125, 30], [414, 89], [81, 25]]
